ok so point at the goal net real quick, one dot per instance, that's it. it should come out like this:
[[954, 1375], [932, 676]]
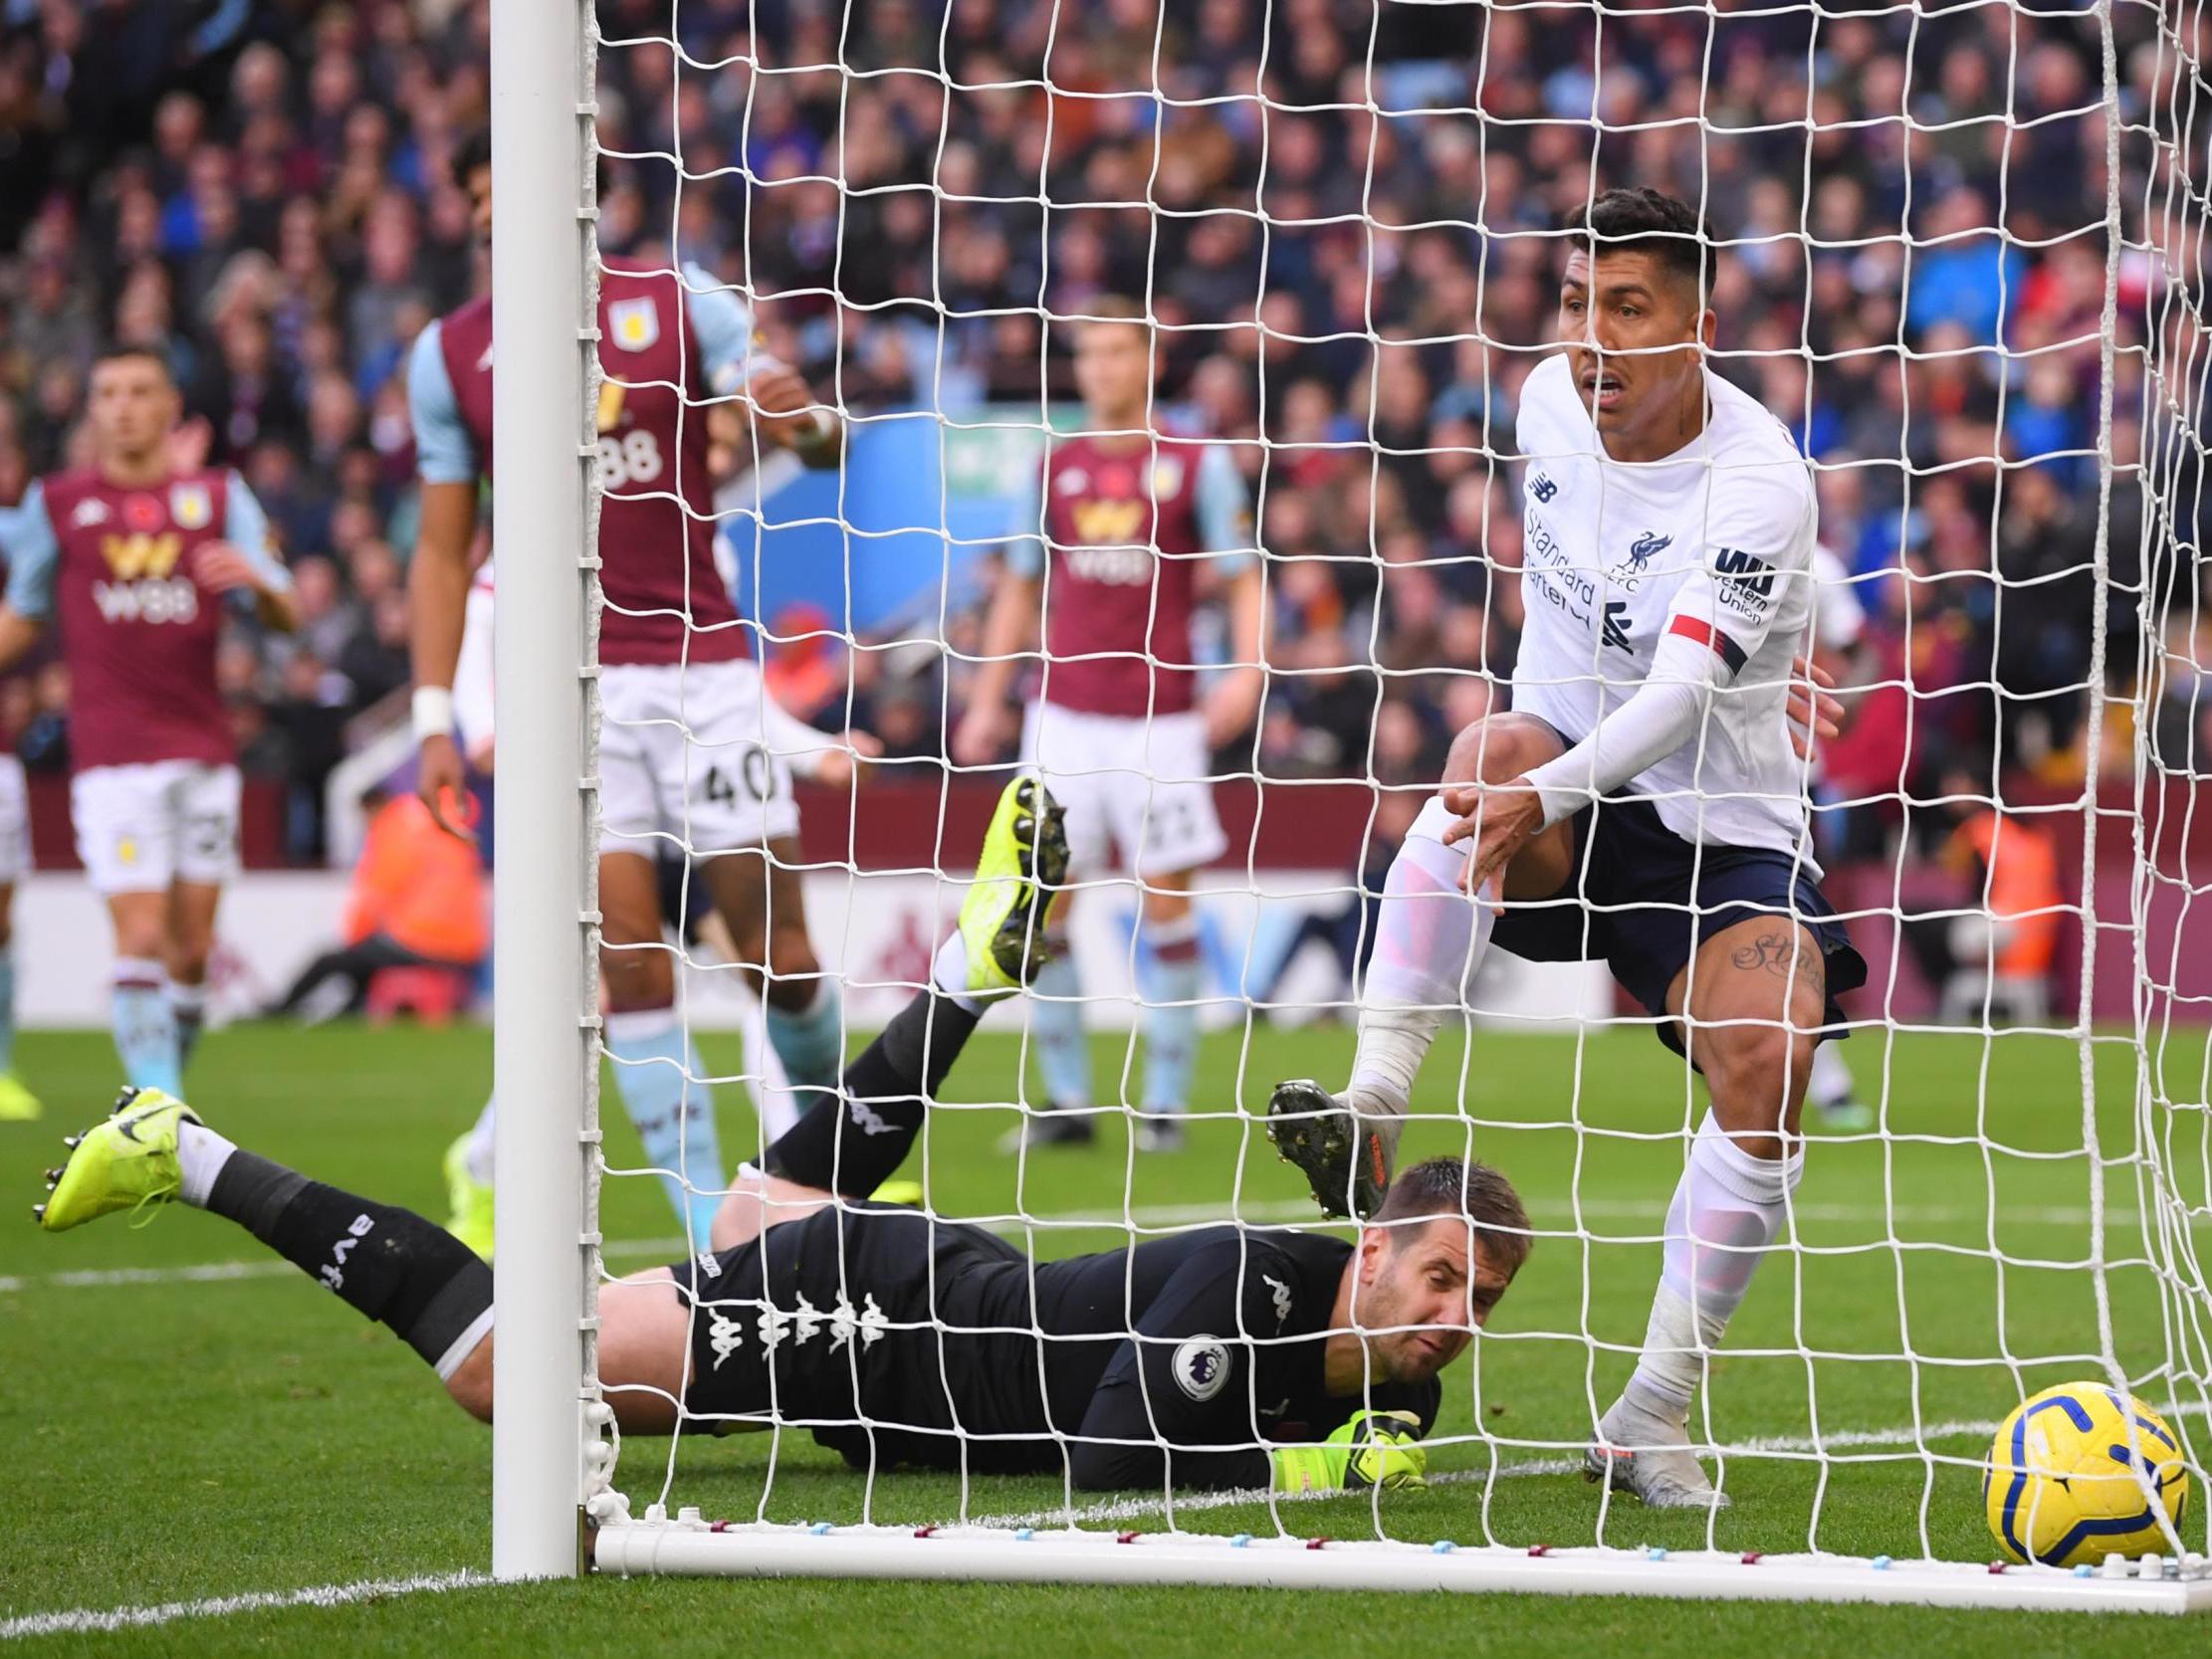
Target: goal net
[[1958, 251]]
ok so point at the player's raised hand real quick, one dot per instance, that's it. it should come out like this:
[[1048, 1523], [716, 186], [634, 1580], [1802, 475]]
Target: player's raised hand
[[1500, 818], [980, 737], [1814, 714], [784, 408], [443, 783]]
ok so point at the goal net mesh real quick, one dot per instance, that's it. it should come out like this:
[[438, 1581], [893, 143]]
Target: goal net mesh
[[1961, 252]]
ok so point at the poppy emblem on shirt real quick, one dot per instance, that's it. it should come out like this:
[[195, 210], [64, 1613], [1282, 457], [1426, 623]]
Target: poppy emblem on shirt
[[190, 506], [1201, 1368], [142, 512], [634, 324]]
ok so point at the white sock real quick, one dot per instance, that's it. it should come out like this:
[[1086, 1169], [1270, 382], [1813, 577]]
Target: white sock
[[950, 971], [480, 1142], [201, 1155], [1429, 937], [1728, 1209], [1828, 1082]]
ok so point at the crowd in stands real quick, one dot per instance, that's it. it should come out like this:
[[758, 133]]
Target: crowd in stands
[[1342, 217]]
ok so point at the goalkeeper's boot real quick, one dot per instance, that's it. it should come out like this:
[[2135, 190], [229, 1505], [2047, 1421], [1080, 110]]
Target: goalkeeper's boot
[[124, 1163], [1649, 1461], [1345, 1159], [471, 1199], [17, 1104], [1018, 876]]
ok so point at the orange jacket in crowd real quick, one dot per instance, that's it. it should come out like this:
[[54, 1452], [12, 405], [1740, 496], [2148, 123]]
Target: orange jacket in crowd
[[419, 885], [2022, 866]]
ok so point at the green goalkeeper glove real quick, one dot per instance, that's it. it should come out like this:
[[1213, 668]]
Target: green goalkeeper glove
[[1376, 1448]]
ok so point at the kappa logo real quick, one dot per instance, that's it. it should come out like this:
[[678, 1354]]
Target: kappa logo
[[1201, 1368], [1282, 1299], [333, 1270], [774, 1327], [864, 1117], [1647, 548]]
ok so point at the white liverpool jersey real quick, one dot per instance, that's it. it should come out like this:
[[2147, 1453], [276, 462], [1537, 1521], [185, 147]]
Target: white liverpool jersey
[[1715, 542]]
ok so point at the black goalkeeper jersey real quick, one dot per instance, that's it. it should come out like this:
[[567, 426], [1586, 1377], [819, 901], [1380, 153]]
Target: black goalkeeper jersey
[[899, 1339]]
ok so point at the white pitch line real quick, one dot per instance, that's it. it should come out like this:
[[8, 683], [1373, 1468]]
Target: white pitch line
[[1143, 1216], [76, 1620], [102, 1278]]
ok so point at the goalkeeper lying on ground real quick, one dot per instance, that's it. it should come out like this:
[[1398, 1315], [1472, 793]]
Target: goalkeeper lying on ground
[[1227, 1357]]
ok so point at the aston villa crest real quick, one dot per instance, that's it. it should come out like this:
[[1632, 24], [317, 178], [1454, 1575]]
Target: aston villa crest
[[190, 506], [634, 324]]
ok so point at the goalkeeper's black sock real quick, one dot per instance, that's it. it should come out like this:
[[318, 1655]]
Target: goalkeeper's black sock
[[852, 1142], [390, 1263]]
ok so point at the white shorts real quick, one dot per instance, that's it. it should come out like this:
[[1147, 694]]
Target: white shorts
[[15, 822], [1130, 784], [141, 827], [684, 760]]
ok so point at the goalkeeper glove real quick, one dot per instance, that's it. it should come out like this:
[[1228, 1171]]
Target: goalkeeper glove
[[1376, 1448]]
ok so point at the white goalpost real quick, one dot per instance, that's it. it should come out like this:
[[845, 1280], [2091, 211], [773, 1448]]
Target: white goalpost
[[546, 1010], [2043, 1219]]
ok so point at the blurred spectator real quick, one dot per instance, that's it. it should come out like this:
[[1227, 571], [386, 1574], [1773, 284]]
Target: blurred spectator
[[418, 901], [260, 192]]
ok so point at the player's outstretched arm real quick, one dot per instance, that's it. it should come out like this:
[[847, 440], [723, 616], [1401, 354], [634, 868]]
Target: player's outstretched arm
[[1176, 1404]]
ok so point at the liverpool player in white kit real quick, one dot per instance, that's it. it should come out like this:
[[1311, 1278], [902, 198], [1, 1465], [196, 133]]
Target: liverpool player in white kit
[[137, 558], [1129, 518], [1642, 802], [688, 757]]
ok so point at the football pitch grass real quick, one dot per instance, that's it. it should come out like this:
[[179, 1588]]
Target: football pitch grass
[[193, 1419]]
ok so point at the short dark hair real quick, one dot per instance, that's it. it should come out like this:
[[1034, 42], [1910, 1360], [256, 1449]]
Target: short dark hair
[[1646, 221], [472, 152], [125, 351], [1464, 1187]]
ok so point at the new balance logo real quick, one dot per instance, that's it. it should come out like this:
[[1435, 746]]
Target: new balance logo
[[1615, 633], [1754, 575], [1541, 486]]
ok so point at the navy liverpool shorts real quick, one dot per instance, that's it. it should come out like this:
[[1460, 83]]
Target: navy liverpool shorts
[[1644, 899]]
